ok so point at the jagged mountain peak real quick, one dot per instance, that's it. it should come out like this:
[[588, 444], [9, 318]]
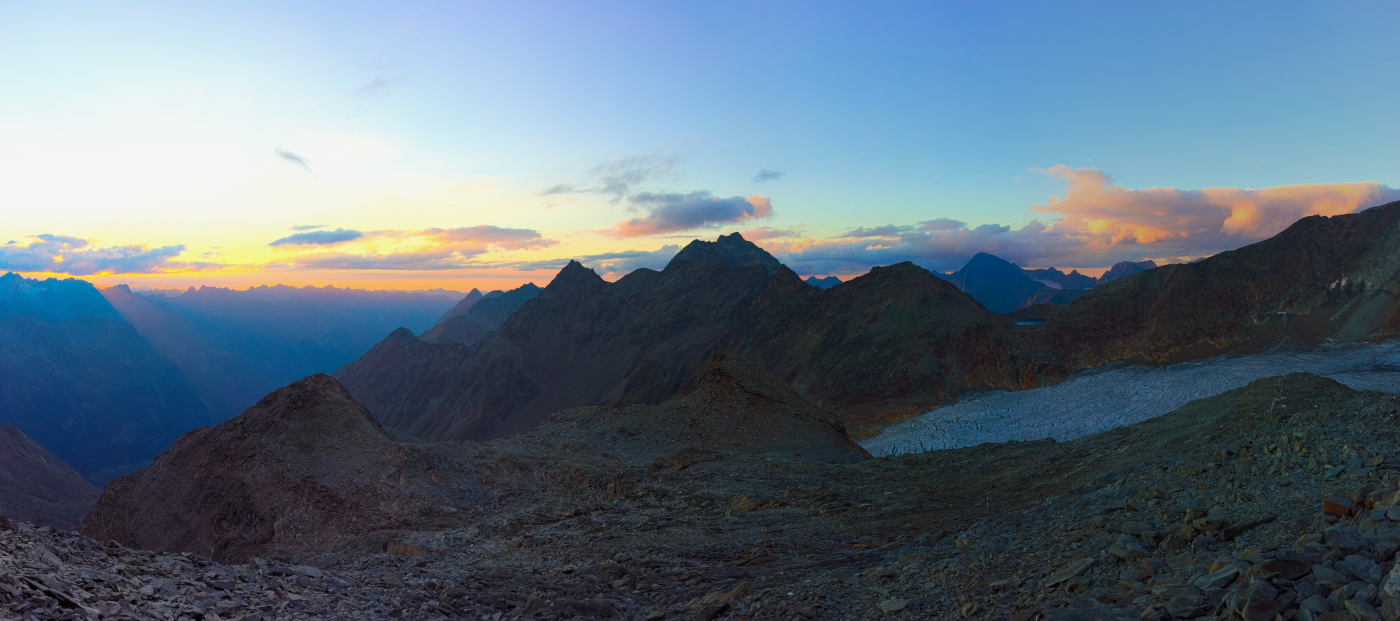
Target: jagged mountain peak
[[731, 250]]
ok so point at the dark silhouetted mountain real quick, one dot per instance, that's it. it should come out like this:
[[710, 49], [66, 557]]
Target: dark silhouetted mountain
[[1125, 268], [482, 318], [581, 341], [999, 285], [461, 308], [823, 283], [883, 346], [1320, 280], [1056, 279], [78, 379], [37, 487]]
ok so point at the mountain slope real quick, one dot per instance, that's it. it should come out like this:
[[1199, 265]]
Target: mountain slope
[[305, 466], [823, 283], [461, 308], [483, 317], [37, 487], [1321, 280]]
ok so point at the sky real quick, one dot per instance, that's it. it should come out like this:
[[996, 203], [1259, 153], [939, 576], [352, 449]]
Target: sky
[[417, 145]]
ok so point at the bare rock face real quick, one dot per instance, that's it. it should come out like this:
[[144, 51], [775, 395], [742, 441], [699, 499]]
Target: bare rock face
[[305, 467], [37, 487]]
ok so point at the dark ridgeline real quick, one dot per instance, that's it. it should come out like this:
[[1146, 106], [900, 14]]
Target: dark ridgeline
[[1055, 278], [881, 347]]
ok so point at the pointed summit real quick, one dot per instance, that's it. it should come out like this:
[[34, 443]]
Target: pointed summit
[[731, 250], [575, 275]]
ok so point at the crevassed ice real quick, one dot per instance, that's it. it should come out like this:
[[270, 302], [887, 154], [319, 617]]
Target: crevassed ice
[[1112, 397]]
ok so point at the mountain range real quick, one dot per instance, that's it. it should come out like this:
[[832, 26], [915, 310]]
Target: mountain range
[[106, 379], [880, 347]]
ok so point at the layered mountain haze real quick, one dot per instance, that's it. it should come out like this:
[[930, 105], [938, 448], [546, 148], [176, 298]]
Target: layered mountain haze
[[107, 379], [82, 382]]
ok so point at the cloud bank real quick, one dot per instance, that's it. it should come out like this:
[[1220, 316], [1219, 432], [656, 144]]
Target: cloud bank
[[75, 256], [1094, 223], [423, 249]]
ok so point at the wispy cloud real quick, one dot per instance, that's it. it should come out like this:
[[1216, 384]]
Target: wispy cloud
[[1095, 224], [768, 174], [75, 256], [620, 178], [308, 227], [318, 238], [292, 158], [671, 212], [562, 188], [376, 87]]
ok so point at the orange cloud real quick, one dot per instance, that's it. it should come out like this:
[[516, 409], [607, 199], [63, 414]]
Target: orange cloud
[[1095, 224], [1187, 221]]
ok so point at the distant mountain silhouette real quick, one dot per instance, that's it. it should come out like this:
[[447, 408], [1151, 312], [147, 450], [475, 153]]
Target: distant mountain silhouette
[[484, 316], [462, 306], [823, 283], [999, 285], [37, 487], [1125, 268], [1054, 278]]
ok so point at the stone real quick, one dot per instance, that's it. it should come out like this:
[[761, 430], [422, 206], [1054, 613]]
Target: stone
[[1362, 610], [1285, 568], [1069, 571], [1339, 507], [1328, 577], [893, 604], [1217, 579], [1359, 568]]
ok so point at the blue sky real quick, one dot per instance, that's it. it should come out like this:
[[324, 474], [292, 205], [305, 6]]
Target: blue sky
[[159, 125]]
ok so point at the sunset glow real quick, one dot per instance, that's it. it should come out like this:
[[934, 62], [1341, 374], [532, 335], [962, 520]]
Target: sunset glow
[[426, 146]]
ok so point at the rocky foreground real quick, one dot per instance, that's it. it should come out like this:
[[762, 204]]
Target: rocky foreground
[[1277, 500]]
